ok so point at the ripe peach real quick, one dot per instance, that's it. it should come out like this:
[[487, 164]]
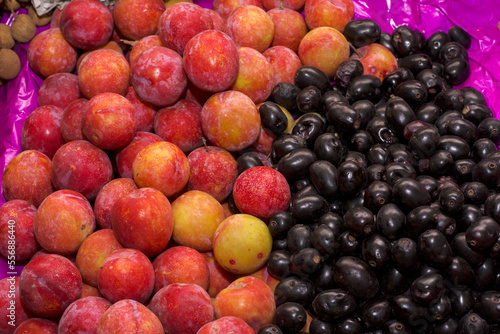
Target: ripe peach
[[80, 166], [49, 53], [377, 60], [11, 306], [41, 130], [220, 278], [158, 76], [37, 326], [93, 252], [88, 31], [180, 264], [255, 75], [144, 112], [163, 166], [226, 325], [324, 48], [284, 62], [208, 55], [250, 26], [17, 239], [27, 177], [107, 197], [182, 308], [289, 27], [248, 298], [242, 243], [59, 89], [271, 196], [143, 44], [225, 7], [137, 19], [49, 284], [124, 157], [83, 315], [145, 212], [72, 119], [196, 217], [126, 274], [181, 22], [230, 120], [129, 316], [109, 121], [180, 124], [63, 221], [103, 71], [213, 171], [328, 13]]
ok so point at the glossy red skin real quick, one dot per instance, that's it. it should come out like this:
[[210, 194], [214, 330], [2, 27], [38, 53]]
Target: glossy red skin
[[37, 326], [182, 308], [285, 63], [111, 45], [217, 20], [145, 212], [89, 291], [248, 298], [181, 22], [208, 55], [296, 5], [324, 48], [226, 325], [220, 278], [109, 121], [49, 284], [213, 170], [126, 274], [88, 31], [72, 119], [63, 221], [27, 177], [83, 315], [158, 76], [250, 26], [129, 316], [143, 44], [377, 60], [18, 312], [163, 166], [103, 71], [180, 124], [255, 75], [225, 7], [328, 13], [124, 157], [17, 216], [137, 19], [49, 53], [107, 197], [180, 264], [54, 20], [80, 166], [93, 252], [59, 89], [144, 112], [272, 194], [289, 27], [41, 130]]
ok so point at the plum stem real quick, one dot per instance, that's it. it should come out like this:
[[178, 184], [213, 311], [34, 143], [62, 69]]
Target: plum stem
[[125, 41], [354, 49], [205, 144]]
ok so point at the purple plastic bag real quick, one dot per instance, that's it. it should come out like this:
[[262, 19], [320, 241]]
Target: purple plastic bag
[[18, 97]]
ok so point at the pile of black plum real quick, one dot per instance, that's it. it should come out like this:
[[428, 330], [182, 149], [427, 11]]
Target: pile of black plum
[[394, 221]]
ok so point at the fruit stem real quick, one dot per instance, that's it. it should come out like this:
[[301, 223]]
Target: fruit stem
[[205, 144], [125, 41], [355, 50]]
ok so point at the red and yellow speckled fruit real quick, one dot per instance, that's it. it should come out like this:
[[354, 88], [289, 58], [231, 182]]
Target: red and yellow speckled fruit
[[242, 243], [163, 166], [137, 19], [83, 315], [226, 325]]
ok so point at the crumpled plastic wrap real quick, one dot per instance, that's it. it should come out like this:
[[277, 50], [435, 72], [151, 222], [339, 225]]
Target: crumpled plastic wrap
[[18, 97], [45, 6]]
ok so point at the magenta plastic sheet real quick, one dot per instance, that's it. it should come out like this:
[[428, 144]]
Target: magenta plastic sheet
[[18, 97]]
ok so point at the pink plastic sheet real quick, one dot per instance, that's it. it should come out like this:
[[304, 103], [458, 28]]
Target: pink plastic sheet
[[18, 97]]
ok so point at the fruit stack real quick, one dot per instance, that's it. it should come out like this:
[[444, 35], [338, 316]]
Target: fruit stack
[[254, 167]]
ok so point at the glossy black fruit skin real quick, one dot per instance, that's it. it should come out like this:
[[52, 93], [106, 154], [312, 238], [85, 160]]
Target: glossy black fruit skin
[[294, 289], [324, 239], [362, 32], [306, 261], [360, 220], [450, 99], [351, 177], [386, 40], [272, 118], [488, 305], [482, 234], [285, 94], [270, 329], [309, 99], [355, 276], [299, 237], [428, 112], [487, 171], [405, 308], [404, 253], [377, 194], [290, 317], [416, 63], [490, 128], [462, 128], [404, 40], [424, 141], [344, 118], [347, 71], [472, 95], [408, 193], [318, 326], [309, 208], [399, 114], [413, 92], [295, 165], [431, 81], [247, 160], [381, 132], [460, 272], [451, 200], [323, 175], [376, 251], [435, 43], [427, 288], [459, 35], [394, 78], [435, 249], [390, 221], [476, 113], [285, 144], [280, 223], [309, 75], [278, 263], [452, 50], [472, 323], [364, 87], [329, 147], [333, 304], [456, 71], [309, 126]]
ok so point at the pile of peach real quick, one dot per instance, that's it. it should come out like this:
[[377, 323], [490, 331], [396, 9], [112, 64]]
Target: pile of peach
[[119, 199]]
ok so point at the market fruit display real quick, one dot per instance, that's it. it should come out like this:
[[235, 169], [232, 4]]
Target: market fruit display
[[207, 170]]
